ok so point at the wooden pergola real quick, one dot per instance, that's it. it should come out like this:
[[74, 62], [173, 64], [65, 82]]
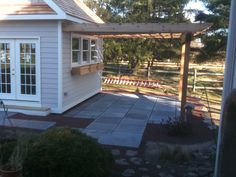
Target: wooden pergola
[[182, 31]]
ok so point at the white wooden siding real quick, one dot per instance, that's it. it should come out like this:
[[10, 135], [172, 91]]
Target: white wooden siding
[[47, 31], [77, 88]]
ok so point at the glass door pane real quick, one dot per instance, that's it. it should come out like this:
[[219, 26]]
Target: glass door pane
[[27, 71], [6, 69]]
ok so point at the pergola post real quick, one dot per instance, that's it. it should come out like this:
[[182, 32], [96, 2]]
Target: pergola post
[[184, 68]]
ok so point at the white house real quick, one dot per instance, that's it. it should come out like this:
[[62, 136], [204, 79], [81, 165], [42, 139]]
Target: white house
[[44, 69]]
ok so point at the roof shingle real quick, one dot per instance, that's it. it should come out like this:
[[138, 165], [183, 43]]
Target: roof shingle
[[25, 9], [78, 9]]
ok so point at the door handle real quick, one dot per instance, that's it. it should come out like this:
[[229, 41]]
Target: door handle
[[13, 72]]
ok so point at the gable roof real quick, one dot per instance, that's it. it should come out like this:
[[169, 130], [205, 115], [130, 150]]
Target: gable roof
[[78, 9], [72, 10]]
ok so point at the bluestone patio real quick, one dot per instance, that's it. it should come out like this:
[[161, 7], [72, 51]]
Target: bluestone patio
[[120, 119], [117, 119]]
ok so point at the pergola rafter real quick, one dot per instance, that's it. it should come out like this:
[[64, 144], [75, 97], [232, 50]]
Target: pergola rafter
[[182, 31]]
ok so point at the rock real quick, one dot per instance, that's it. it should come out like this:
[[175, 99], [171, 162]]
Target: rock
[[115, 152], [131, 153], [165, 175], [136, 160], [191, 174], [128, 172], [143, 169], [121, 162], [158, 167]]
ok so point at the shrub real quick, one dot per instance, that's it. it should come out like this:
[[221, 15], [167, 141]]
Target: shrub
[[62, 152]]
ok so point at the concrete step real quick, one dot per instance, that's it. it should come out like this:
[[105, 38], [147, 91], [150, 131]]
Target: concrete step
[[39, 111]]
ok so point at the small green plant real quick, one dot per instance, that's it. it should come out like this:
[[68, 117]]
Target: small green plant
[[17, 156], [175, 127], [64, 152]]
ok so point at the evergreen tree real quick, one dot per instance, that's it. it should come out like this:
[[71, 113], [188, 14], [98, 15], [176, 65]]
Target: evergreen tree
[[215, 39], [137, 51]]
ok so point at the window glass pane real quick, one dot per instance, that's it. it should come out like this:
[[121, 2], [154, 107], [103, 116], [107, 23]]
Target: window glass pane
[[22, 89], [94, 52], [28, 89], [33, 48], [33, 90], [76, 57], [94, 56], [85, 44], [93, 45], [86, 57], [75, 44]]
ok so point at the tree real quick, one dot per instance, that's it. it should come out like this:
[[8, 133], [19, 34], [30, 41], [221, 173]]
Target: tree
[[215, 39], [137, 51]]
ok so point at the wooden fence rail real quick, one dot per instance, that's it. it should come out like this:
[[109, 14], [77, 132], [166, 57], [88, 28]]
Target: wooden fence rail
[[195, 72]]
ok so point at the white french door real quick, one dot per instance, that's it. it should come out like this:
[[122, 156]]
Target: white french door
[[19, 71]]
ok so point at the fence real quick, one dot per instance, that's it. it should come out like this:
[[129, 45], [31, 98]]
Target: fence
[[201, 76]]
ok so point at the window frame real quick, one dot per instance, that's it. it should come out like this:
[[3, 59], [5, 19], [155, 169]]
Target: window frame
[[90, 61]]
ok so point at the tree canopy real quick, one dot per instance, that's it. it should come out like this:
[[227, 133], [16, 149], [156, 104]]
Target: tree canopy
[[216, 39], [136, 51]]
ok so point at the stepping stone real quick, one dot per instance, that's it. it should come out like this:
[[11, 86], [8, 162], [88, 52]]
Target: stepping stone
[[121, 162], [128, 173], [165, 175], [158, 166], [136, 160], [143, 169], [115, 152], [131, 153]]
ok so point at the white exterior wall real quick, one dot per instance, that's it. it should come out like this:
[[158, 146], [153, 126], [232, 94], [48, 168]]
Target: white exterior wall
[[47, 31], [77, 88]]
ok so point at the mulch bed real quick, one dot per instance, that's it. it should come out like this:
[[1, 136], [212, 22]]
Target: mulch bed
[[59, 119], [200, 133]]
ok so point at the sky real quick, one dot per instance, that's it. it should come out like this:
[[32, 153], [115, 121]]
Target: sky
[[195, 4]]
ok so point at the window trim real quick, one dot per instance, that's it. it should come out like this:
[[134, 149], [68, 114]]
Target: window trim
[[89, 38]]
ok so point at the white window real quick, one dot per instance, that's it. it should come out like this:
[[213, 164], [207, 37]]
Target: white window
[[84, 51]]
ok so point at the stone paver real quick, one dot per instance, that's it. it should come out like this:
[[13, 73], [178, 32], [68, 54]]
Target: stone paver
[[121, 119], [121, 139]]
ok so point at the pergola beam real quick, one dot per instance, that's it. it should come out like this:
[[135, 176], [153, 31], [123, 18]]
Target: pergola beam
[[136, 28]]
